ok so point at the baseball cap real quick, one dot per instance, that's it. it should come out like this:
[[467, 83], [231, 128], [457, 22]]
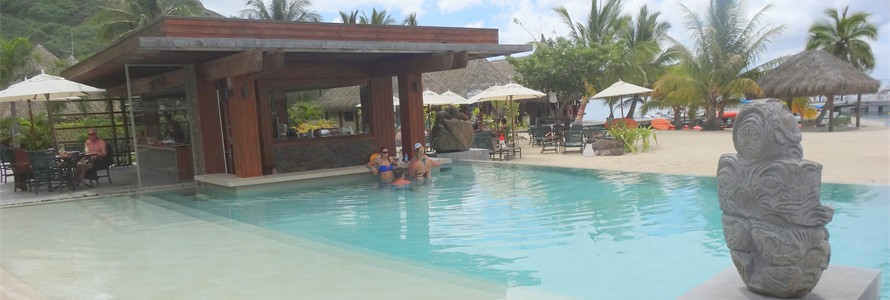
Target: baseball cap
[[417, 146]]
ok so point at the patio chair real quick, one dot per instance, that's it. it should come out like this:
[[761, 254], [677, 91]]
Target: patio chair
[[74, 147], [100, 165], [552, 140], [574, 138], [483, 140], [7, 160], [540, 134], [44, 170]]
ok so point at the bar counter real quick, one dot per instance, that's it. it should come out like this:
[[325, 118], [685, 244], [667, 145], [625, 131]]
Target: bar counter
[[173, 160]]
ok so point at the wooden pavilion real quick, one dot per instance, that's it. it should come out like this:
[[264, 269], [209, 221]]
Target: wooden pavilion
[[232, 76]]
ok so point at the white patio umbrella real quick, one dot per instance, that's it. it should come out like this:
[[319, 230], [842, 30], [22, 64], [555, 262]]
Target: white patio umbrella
[[446, 98], [50, 88], [508, 92], [621, 88]]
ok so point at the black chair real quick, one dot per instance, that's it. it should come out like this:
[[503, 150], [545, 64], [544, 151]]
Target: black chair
[[7, 161], [552, 140], [74, 148], [574, 138], [44, 170], [101, 164]]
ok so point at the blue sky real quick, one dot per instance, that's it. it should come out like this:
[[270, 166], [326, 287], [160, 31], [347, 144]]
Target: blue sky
[[536, 17]]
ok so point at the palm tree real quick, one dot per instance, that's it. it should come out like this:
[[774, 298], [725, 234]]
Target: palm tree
[[641, 57], [135, 14], [280, 10], [724, 47], [351, 18], [14, 54], [377, 18], [676, 91], [843, 36], [411, 19]]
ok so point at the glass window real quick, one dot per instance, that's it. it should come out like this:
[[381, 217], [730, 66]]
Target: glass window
[[318, 112]]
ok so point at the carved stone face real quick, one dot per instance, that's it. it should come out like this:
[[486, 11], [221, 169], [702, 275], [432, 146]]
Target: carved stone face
[[748, 136]]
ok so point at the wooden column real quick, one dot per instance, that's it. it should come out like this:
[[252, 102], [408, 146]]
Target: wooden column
[[211, 132], [382, 118], [411, 107], [265, 126], [245, 128]]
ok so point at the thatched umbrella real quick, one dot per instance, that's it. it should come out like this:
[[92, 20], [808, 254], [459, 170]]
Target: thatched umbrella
[[816, 72]]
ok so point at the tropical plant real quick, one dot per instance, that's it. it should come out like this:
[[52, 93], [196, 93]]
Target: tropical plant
[[280, 10], [38, 138], [560, 66], [377, 18], [303, 111], [410, 19], [844, 37], [14, 54], [134, 14], [640, 58], [724, 47], [350, 18], [633, 138], [675, 91]]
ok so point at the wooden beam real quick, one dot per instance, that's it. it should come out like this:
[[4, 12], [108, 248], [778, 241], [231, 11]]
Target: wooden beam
[[140, 86], [245, 128], [420, 63], [243, 63], [381, 111], [211, 132], [302, 71], [411, 108]]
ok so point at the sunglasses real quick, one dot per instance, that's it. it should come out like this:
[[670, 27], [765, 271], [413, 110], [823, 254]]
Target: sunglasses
[[91, 134], [384, 151]]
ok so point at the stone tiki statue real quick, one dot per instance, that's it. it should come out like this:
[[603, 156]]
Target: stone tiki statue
[[452, 131], [773, 222]]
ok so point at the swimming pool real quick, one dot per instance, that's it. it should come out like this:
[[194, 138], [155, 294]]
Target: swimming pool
[[557, 232]]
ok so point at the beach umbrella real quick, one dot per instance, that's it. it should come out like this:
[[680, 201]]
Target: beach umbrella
[[50, 88], [621, 88], [507, 92], [446, 98], [815, 73]]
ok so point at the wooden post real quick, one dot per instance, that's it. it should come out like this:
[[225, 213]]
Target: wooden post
[[211, 133], [858, 103], [245, 128], [411, 106], [381, 112]]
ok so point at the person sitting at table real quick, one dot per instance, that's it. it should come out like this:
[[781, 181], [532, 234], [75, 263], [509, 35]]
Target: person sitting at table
[[94, 149]]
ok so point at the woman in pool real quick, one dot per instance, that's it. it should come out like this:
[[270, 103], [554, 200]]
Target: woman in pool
[[420, 168], [384, 166]]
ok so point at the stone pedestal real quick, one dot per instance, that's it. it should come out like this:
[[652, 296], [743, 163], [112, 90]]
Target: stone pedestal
[[837, 283]]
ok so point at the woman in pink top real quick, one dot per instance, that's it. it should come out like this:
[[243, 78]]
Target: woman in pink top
[[94, 149]]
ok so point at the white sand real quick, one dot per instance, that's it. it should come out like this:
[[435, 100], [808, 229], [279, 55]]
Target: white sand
[[853, 156]]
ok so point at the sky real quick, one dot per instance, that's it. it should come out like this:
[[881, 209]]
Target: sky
[[536, 17]]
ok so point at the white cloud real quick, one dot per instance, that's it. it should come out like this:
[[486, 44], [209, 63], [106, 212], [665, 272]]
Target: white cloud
[[479, 24], [447, 6]]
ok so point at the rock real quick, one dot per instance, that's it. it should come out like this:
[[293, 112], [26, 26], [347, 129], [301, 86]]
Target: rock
[[604, 147], [773, 221], [452, 132]]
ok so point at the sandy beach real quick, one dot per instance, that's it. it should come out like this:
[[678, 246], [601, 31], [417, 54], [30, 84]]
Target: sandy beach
[[853, 156]]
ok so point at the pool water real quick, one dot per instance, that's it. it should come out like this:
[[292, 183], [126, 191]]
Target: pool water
[[562, 232]]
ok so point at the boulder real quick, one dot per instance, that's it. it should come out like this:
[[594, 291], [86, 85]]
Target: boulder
[[604, 147], [452, 132]]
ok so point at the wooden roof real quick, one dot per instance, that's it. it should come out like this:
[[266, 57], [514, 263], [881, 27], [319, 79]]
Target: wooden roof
[[171, 42]]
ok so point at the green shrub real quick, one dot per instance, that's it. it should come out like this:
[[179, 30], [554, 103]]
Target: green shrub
[[633, 138], [842, 121]]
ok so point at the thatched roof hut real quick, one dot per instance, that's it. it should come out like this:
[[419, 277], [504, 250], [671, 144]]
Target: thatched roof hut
[[340, 99], [813, 73], [816, 72]]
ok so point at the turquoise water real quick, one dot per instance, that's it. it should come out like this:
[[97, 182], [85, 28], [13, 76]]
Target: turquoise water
[[577, 233]]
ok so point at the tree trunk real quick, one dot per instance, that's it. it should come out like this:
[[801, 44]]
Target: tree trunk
[[826, 107], [633, 108], [678, 122], [711, 116], [579, 116]]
